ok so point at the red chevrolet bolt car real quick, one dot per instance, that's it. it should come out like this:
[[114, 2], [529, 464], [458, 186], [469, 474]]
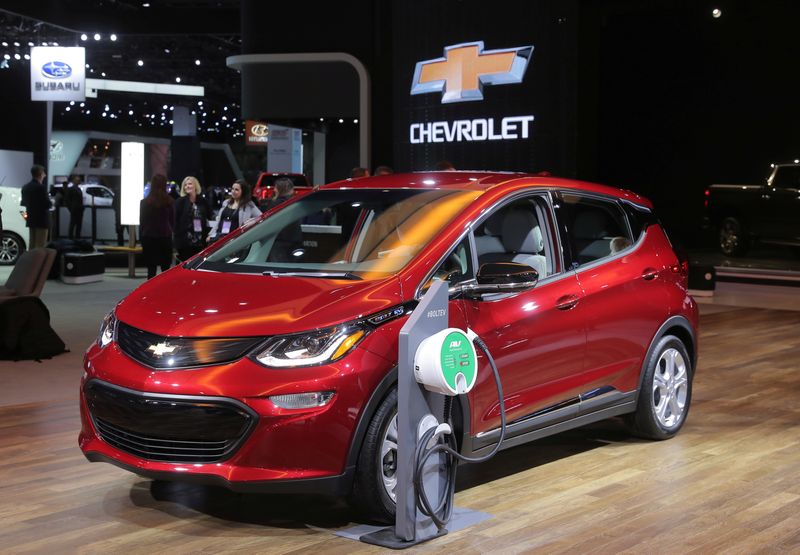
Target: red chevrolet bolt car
[[268, 362]]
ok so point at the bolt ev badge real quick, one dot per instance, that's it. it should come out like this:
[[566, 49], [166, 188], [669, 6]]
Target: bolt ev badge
[[466, 68], [160, 349], [56, 70]]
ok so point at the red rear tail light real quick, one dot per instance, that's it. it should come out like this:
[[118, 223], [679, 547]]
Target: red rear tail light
[[707, 194]]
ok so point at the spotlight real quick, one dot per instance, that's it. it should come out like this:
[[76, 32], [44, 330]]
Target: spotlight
[[177, 79], [27, 56], [84, 37], [130, 112], [4, 43], [166, 51], [103, 74], [6, 57], [140, 63], [113, 37], [164, 107], [67, 108], [72, 103], [17, 56], [197, 62], [16, 43], [355, 121], [87, 66], [341, 120], [97, 36], [716, 13], [30, 43]]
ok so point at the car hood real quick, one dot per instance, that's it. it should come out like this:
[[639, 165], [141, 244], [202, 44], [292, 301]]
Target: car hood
[[191, 303]]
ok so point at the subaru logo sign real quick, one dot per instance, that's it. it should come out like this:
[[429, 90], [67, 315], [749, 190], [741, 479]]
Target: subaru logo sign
[[56, 70]]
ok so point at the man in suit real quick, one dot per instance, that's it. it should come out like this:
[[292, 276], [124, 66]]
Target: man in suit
[[37, 205]]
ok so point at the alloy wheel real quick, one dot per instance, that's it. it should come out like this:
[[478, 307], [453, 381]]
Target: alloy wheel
[[9, 250], [670, 388], [388, 462], [729, 237]]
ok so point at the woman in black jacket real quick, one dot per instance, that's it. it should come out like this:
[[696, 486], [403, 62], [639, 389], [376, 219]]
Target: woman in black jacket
[[156, 222], [191, 219]]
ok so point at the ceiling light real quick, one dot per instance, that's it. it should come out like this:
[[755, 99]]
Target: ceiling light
[[716, 13], [84, 37], [197, 62], [140, 63], [145, 4], [17, 56], [67, 108], [72, 103], [82, 104], [177, 79], [30, 43], [106, 108], [55, 43], [97, 36], [355, 121], [170, 122], [16, 43], [113, 37], [5, 43], [87, 66], [44, 44], [103, 74], [164, 107], [27, 56], [130, 112], [166, 51], [341, 120]]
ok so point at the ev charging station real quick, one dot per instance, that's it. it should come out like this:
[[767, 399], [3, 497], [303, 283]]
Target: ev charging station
[[435, 363]]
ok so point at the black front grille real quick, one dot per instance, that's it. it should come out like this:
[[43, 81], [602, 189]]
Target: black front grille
[[168, 428], [172, 353]]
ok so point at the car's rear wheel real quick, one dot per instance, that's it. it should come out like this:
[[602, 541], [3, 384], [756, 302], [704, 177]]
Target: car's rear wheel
[[666, 391], [11, 247], [732, 237], [375, 485]]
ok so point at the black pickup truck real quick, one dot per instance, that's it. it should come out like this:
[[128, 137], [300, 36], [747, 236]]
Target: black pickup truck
[[769, 213]]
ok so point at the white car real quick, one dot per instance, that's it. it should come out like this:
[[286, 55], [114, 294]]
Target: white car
[[95, 194], [14, 235]]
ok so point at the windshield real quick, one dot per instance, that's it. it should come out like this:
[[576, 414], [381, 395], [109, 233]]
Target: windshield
[[342, 233]]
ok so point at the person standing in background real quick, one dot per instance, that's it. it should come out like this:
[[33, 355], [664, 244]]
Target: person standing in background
[[37, 205], [236, 210], [156, 221], [191, 219], [284, 190], [73, 199]]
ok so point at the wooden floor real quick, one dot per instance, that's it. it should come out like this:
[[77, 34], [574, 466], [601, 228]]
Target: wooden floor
[[729, 483]]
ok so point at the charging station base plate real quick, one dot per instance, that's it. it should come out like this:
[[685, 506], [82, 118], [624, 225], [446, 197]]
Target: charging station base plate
[[387, 538]]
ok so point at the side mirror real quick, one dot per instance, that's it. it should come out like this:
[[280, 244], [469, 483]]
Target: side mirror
[[502, 277]]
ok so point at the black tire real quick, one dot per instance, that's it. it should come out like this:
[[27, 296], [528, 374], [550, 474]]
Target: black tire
[[732, 237], [11, 247], [369, 494], [663, 400]]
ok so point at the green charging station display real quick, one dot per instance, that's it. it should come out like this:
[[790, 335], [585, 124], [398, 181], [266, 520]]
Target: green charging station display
[[458, 357]]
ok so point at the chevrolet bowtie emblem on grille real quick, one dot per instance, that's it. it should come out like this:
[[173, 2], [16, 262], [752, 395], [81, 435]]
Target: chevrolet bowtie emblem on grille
[[466, 68], [161, 349]]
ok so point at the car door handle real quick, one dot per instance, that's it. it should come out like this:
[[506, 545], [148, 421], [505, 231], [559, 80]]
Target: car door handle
[[649, 274], [567, 302]]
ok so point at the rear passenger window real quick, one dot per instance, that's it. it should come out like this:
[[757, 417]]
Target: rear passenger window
[[599, 228]]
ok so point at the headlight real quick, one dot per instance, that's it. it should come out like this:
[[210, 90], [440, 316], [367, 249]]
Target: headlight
[[310, 348], [107, 330]]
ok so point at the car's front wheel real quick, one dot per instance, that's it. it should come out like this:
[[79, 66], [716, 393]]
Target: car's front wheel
[[666, 391], [11, 247], [375, 485]]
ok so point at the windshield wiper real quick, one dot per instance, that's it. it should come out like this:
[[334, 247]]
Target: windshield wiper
[[324, 275]]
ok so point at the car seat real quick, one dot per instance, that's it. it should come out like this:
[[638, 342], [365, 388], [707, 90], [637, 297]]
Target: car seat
[[522, 241]]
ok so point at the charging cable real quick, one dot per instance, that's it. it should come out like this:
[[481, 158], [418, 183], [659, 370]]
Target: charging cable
[[431, 443]]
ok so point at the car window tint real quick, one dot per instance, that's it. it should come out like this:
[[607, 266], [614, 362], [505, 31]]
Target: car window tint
[[598, 228], [516, 232]]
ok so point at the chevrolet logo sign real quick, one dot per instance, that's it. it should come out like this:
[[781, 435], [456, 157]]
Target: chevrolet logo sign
[[466, 68], [160, 349]]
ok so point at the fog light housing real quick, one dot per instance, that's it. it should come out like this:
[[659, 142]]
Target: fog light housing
[[309, 400]]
